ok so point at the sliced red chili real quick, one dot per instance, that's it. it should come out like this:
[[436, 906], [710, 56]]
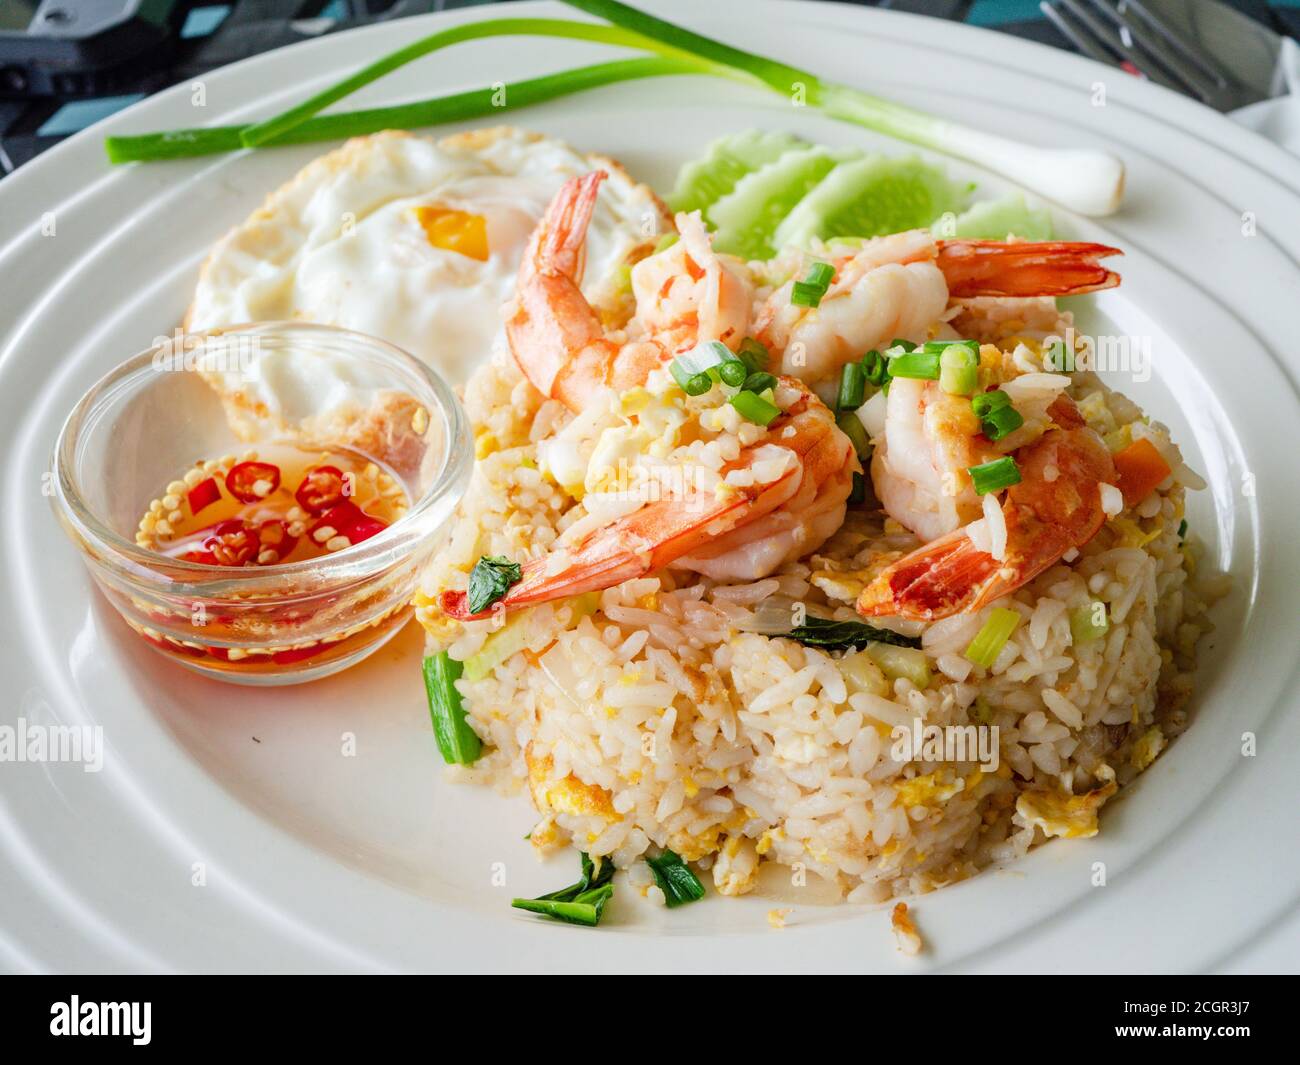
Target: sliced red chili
[[206, 557], [203, 494], [297, 654], [322, 488], [348, 519], [233, 543], [244, 478]]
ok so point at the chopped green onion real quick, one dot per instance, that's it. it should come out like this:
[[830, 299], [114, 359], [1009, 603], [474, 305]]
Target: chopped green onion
[[665, 242], [875, 367], [693, 384], [1089, 623], [809, 291], [1182, 530], [830, 635], [458, 742], [897, 661], [821, 275], [489, 581], [987, 402], [759, 382], [990, 640], [753, 354], [755, 408], [802, 294], [1001, 422], [853, 387], [915, 364], [942, 345], [581, 903], [959, 370], [675, 879], [898, 345], [995, 475], [733, 372], [858, 492], [851, 426], [705, 356]]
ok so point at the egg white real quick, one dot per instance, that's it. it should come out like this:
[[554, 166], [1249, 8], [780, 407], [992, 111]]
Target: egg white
[[341, 244]]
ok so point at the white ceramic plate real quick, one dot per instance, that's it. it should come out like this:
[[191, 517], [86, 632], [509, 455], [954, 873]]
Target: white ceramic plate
[[314, 860]]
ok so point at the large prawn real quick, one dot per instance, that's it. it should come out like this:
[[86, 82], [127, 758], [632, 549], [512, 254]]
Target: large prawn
[[898, 287], [780, 497], [1057, 505]]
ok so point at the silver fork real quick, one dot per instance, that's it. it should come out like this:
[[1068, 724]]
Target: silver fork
[[1161, 40]]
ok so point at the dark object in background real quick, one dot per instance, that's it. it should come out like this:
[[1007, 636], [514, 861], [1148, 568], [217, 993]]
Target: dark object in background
[[94, 57], [172, 41]]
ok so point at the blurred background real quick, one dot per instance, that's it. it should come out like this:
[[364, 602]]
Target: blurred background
[[65, 64]]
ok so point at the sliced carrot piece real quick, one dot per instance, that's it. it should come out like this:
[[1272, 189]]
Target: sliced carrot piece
[[1140, 467]]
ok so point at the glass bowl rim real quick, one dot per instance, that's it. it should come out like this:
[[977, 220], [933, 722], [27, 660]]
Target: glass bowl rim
[[141, 566]]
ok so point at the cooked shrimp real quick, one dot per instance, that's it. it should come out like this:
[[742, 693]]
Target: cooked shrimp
[[897, 287], [778, 498], [687, 292], [684, 293], [1058, 505]]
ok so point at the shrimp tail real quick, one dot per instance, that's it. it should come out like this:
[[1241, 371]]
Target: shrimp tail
[[1047, 268], [555, 336], [946, 576], [639, 543]]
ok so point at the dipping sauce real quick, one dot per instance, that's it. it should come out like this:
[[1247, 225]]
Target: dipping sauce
[[279, 504]]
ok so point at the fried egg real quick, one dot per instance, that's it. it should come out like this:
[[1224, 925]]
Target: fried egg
[[413, 240]]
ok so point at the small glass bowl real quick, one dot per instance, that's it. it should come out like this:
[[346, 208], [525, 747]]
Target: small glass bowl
[[264, 625]]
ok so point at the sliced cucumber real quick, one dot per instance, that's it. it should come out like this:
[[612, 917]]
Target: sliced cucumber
[[747, 218], [872, 196], [727, 160], [998, 219]]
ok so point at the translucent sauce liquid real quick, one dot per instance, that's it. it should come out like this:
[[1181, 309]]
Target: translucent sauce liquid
[[279, 504], [276, 505]]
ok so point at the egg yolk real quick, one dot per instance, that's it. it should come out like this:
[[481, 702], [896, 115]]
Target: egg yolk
[[458, 231]]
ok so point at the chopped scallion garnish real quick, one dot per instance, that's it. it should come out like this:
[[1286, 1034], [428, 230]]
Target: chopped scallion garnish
[[809, 291], [1089, 623], [458, 743], [755, 408], [853, 387], [665, 242], [753, 354], [942, 345], [851, 426], [802, 294], [959, 370], [1182, 530], [759, 382], [733, 372], [987, 402], [897, 346], [693, 384], [875, 367], [990, 640], [920, 365], [995, 475], [1002, 422], [675, 879]]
